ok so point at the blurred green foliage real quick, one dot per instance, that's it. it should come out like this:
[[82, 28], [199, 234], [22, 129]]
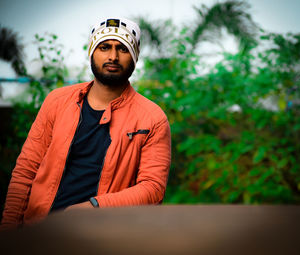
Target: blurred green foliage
[[52, 75], [236, 129]]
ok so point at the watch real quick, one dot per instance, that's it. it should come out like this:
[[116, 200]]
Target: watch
[[94, 202]]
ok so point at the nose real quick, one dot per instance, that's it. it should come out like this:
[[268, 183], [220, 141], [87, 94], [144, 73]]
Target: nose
[[113, 56]]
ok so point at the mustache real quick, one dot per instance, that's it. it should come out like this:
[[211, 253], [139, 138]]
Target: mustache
[[111, 63]]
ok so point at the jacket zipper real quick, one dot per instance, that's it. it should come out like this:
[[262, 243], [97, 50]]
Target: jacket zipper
[[79, 122], [140, 131]]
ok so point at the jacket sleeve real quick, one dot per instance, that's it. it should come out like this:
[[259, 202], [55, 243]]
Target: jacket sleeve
[[152, 174], [27, 164]]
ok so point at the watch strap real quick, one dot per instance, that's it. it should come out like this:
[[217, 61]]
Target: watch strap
[[94, 202]]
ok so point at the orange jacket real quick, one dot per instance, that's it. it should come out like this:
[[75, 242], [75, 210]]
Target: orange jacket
[[135, 168]]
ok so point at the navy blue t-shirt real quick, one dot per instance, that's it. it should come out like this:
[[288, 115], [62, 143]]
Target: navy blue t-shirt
[[84, 164]]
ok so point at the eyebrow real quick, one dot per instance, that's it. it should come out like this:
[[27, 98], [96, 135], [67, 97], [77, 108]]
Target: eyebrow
[[108, 44], [120, 45], [104, 44]]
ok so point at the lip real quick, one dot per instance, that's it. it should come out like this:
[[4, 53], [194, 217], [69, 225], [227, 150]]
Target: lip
[[112, 67]]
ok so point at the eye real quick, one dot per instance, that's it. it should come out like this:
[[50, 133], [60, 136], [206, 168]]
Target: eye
[[123, 49], [103, 47]]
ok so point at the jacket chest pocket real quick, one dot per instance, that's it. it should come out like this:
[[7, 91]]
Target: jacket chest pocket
[[136, 138], [138, 132]]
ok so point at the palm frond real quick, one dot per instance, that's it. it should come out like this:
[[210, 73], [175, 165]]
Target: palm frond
[[11, 50], [156, 34], [150, 32], [232, 15]]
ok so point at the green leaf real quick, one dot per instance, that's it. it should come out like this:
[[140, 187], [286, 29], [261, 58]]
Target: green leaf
[[255, 172], [259, 155], [282, 163], [233, 196], [181, 49]]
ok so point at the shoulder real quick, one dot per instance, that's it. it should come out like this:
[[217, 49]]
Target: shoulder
[[61, 97], [147, 108], [67, 91]]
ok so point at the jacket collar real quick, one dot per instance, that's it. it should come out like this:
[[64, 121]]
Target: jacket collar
[[125, 97], [84, 90]]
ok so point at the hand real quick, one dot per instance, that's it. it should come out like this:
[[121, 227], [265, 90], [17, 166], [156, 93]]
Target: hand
[[83, 205]]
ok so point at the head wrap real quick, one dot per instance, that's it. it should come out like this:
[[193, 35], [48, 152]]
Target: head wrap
[[121, 29]]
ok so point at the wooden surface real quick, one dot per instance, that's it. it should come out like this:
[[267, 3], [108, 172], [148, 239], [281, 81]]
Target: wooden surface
[[214, 229]]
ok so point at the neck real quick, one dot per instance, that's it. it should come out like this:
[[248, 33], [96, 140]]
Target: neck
[[101, 95]]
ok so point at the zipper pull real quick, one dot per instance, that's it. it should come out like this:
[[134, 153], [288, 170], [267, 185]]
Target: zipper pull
[[130, 136]]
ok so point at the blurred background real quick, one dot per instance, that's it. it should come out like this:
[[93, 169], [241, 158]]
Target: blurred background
[[227, 74]]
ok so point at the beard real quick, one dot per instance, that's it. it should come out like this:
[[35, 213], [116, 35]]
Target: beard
[[112, 79]]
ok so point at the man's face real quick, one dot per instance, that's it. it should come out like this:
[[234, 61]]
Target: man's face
[[112, 63]]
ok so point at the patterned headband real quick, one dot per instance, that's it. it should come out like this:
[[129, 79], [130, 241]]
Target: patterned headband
[[121, 29]]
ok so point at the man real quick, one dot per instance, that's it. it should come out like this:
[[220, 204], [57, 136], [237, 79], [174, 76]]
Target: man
[[94, 144]]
